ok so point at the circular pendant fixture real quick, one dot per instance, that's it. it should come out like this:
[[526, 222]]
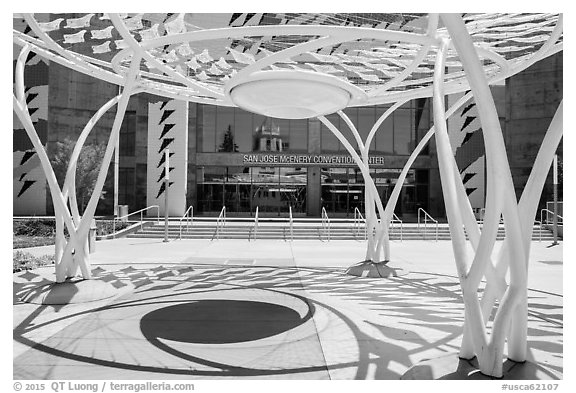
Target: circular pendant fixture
[[292, 94]]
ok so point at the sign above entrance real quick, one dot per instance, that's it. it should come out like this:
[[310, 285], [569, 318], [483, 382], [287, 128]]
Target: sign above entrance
[[305, 159]]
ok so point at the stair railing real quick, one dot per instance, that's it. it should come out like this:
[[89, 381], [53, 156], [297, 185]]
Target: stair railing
[[427, 217], [291, 224], [547, 220], [358, 219], [398, 220], [141, 211], [255, 229], [220, 222], [189, 217], [325, 223], [540, 226], [483, 213]]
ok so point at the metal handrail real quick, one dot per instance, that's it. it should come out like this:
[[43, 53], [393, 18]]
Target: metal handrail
[[220, 222], [188, 219], [426, 217], [325, 222], [396, 219], [548, 211], [540, 225], [291, 224], [357, 218], [483, 213], [141, 211], [256, 223]]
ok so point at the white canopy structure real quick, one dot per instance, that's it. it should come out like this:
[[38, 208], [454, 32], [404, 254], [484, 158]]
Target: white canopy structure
[[310, 65]]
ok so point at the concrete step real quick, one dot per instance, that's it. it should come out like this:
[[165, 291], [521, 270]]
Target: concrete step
[[308, 231]]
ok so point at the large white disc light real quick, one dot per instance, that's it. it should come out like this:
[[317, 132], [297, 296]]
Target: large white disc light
[[292, 94]]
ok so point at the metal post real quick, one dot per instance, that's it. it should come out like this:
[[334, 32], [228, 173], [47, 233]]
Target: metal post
[[117, 167], [555, 185], [166, 186]]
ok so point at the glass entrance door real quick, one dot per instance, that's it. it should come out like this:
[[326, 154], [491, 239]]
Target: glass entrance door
[[293, 190], [334, 186]]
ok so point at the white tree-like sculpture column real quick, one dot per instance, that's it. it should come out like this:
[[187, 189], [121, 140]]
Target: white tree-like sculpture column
[[510, 320], [378, 228], [73, 254]]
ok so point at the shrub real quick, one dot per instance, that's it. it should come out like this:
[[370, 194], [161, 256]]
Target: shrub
[[38, 228], [106, 227], [26, 261], [41, 227]]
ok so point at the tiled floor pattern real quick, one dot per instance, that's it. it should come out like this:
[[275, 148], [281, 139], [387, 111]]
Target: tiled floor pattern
[[233, 321]]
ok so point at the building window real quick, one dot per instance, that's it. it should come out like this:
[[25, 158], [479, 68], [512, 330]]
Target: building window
[[128, 135], [385, 135], [208, 128], [126, 189], [397, 135], [223, 129]]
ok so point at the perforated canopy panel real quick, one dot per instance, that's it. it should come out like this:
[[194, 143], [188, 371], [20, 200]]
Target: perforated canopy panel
[[197, 57]]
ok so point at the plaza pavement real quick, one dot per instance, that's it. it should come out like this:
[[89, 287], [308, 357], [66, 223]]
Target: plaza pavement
[[266, 309]]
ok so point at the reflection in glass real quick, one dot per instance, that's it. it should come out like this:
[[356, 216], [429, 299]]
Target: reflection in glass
[[385, 134], [210, 188], [422, 121], [329, 142], [208, 128], [265, 182], [243, 130], [237, 189], [403, 133], [298, 135], [365, 122], [334, 186], [293, 189], [226, 129], [225, 138]]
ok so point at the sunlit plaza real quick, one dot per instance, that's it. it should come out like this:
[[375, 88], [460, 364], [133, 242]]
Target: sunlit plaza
[[288, 196]]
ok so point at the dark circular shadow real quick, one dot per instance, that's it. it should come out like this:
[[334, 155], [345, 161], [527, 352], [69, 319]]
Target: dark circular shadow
[[219, 321]]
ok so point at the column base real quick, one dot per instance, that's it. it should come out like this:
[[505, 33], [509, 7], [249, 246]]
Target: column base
[[41, 289], [455, 368], [372, 269]]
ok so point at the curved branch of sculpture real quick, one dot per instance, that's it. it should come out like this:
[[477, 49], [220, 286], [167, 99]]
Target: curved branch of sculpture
[[21, 109], [296, 30], [382, 231], [131, 80], [22, 112], [431, 31], [369, 197], [287, 53], [527, 207], [141, 53], [81, 254], [365, 173], [88, 68], [499, 182], [111, 77], [69, 189], [474, 322]]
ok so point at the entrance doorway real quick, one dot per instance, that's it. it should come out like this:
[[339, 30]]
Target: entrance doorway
[[241, 189]]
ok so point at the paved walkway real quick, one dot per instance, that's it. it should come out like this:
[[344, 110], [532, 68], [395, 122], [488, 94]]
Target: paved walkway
[[265, 309]]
